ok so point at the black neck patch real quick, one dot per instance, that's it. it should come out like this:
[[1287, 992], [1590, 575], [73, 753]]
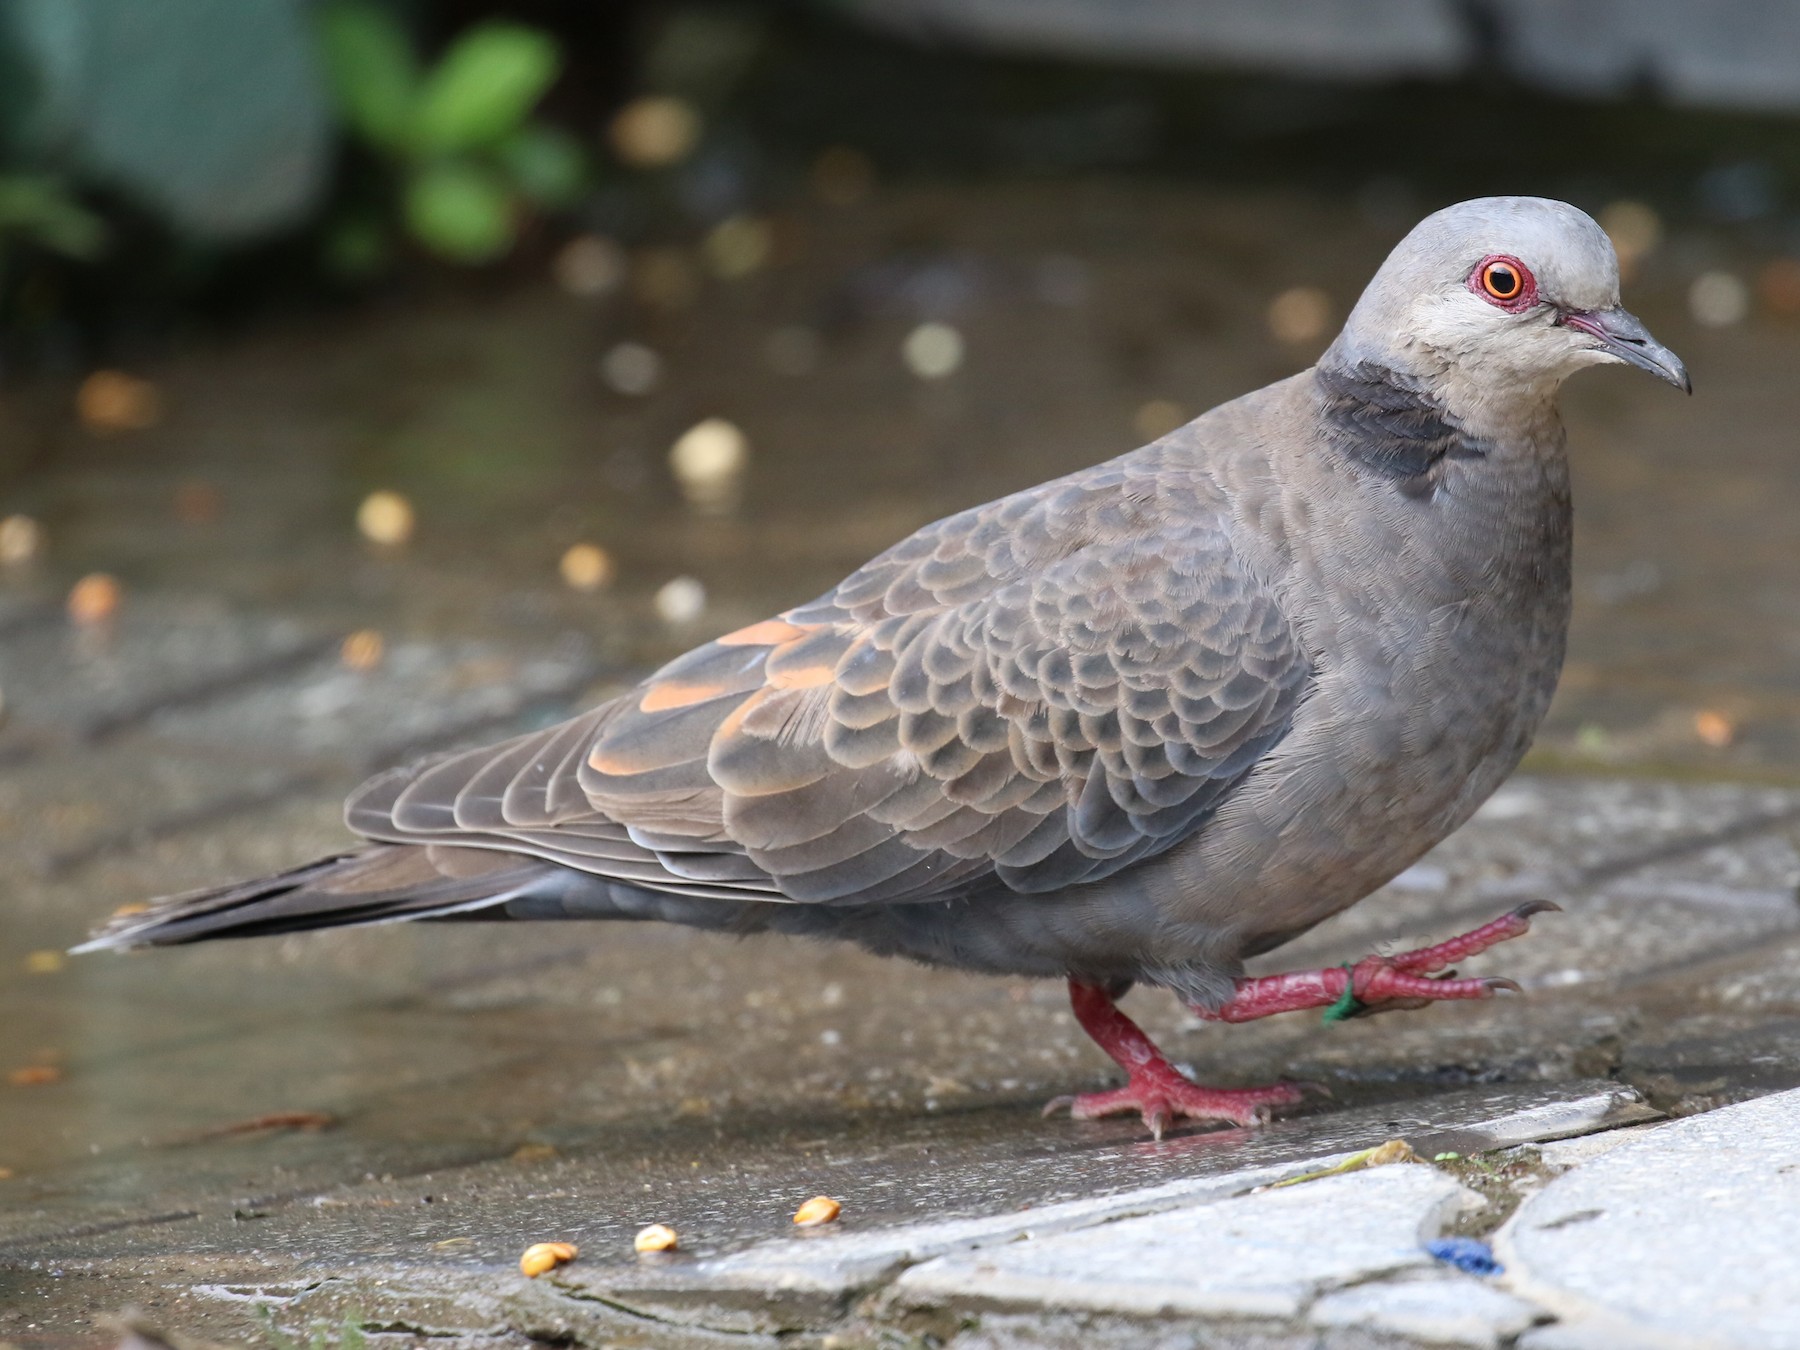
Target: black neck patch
[[1378, 419]]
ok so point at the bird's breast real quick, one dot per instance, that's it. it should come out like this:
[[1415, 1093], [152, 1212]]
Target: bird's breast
[[1437, 626]]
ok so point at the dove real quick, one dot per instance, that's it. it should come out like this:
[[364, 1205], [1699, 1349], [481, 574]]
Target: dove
[[1129, 727]]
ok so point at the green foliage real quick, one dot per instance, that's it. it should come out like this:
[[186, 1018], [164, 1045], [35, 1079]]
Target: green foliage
[[484, 88], [209, 112], [470, 160], [374, 73], [546, 164], [460, 210], [38, 209]]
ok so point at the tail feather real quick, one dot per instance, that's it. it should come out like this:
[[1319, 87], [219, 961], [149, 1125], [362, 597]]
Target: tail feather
[[385, 883]]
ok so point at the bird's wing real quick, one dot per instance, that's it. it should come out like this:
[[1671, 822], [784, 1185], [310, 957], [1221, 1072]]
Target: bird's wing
[[1034, 693]]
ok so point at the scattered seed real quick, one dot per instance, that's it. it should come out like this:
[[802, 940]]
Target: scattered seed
[[654, 131], [681, 601], [94, 599], [6, 1174], [1714, 728], [821, 1209], [45, 962], [131, 907], [708, 462], [590, 266], [21, 540], [1300, 314], [362, 650], [932, 351], [587, 567], [35, 1075], [534, 1152], [658, 1237], [543, 1256], [385, 518], [110, 401]]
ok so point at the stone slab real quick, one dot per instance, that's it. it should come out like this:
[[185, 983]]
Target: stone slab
[[844, 1259], [1683, 1237], [1262, 1255], [1445, 1310]]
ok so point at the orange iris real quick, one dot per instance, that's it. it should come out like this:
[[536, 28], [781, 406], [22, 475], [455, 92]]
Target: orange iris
[[1502, 281]]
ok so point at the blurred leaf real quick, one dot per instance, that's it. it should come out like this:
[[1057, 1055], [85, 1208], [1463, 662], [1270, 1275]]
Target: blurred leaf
[[41, 210], [357, 248], [547, 164], [461, 211], [210, 111], [485, 86], [372, 68]]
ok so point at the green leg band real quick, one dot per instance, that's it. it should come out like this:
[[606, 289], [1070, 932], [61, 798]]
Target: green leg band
[[1348, 1004]]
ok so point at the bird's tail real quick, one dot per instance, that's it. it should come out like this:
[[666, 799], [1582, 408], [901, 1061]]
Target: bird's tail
[[383, 883]]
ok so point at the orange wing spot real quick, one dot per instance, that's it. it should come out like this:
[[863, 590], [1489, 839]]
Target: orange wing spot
[[802, 677], [768, 633], [666, 694], [613, 768], [734, 724]]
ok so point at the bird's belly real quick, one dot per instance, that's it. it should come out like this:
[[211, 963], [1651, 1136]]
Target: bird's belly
[[1388, 760]]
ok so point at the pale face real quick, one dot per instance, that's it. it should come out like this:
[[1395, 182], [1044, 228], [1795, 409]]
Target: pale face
[[1504, 293]]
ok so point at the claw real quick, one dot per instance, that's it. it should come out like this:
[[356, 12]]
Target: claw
[[1496, 983]]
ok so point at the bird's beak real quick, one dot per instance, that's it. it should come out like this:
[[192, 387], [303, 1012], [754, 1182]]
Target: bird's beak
[[1622, 334]]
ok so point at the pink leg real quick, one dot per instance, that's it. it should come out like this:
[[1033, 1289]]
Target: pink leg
[[1156, 1088], [1380, 983], [1160, 1093]]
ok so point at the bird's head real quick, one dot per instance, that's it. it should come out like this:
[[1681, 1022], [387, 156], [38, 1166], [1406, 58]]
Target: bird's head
[[1501, 298]]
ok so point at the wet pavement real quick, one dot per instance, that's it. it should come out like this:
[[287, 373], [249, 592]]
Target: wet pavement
[[372, 1125]]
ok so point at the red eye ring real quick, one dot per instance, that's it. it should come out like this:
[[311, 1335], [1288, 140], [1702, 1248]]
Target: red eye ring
[[1505, 282]]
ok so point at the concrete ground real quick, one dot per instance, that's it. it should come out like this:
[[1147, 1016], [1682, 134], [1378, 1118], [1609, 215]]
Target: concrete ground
[[363, 1130]]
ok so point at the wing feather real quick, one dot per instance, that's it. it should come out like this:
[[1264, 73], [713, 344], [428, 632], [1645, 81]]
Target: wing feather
[[1028, 696]]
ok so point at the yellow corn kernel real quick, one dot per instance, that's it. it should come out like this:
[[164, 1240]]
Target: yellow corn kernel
[[543, 1256], [820, 1209], [658, 1237]]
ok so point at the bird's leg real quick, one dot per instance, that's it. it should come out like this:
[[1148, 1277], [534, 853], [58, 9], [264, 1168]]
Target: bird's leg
[[1160, 1092], [1379, 983], [1155, 1088]]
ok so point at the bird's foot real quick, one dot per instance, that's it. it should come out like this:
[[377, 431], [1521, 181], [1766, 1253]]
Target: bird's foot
[[1381, 983], [1155, 1088], [1162, 1095]]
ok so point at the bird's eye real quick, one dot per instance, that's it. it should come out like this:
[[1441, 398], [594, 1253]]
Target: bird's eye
[[1500, 281], [1505, 282]]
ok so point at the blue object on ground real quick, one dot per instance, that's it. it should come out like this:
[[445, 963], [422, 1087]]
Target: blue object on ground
[[1469, 1255]]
